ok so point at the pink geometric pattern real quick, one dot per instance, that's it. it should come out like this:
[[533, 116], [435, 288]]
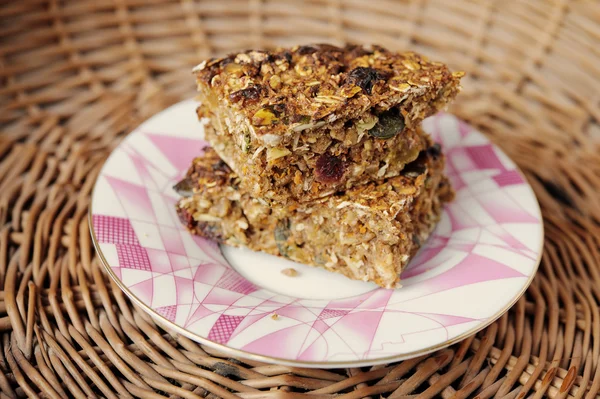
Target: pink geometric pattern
[[224, 327], [168, 312], [478, 261], [114, 230], [232, 281], [133, 257], [508, 178], [329, 313]]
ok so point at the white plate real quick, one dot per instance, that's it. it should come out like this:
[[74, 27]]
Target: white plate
[[477, 263]]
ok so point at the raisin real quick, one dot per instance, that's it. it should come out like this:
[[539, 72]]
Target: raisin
[[210, 230], [305, 50], [416, 240], [279, 108], [287, 55], [390, 124], [435, 150], [414, 169], [356, 51], [184, 187], [248, 95], [282, 233], [297, 118], [365, 77], [220, 166], [313, 48], [329, 169]]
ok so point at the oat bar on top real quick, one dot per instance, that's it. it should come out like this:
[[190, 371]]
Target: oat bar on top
[[302, 123], [368, 233]]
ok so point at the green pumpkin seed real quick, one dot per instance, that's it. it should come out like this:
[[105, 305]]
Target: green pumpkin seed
[[282, 233], [390, 124]]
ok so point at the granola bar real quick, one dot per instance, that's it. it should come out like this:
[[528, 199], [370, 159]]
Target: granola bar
[[305, 122], [367, 233]]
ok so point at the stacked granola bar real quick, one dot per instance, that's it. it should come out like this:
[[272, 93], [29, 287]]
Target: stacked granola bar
[[318, 156]]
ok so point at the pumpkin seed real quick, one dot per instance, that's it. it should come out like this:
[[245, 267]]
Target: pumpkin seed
[[390, 124]]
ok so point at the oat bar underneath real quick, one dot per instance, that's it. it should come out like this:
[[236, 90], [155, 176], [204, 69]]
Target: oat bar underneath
[[368, 233], [304, 122]]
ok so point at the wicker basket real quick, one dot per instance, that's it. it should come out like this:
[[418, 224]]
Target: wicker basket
[[76, 76]]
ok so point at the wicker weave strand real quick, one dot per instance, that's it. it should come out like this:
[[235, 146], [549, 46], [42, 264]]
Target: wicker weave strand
[[76, 76]]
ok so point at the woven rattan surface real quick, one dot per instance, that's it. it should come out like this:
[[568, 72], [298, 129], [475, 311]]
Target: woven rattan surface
[[77, 76]]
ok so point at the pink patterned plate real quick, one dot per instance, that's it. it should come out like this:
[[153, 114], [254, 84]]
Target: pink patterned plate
[[478, 262]]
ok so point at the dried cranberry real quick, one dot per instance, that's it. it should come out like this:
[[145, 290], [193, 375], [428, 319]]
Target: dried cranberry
[[365, 77], [248, 95], [185, 217], [329, 169]]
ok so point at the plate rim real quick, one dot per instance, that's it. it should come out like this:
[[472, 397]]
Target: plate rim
[[164, 322]]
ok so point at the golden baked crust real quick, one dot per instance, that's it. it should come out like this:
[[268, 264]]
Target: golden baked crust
[[292, 89], [368, 233], [303, 123], [319, 165]]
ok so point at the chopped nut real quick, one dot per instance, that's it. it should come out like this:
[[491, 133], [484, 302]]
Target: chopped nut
[[264, 117], [243, 58], [350, 91], [233, 68], [290, 272], [406, 190], [274, 316], [204, 203], [397, 86], [246, 143], [276, 153], [329, 99], [274, 81], [242, 224], [366, 123], [308, 125], [303, 70], [204, 217]]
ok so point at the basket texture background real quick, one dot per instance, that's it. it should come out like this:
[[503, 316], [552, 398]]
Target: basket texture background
[[77, 76]]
